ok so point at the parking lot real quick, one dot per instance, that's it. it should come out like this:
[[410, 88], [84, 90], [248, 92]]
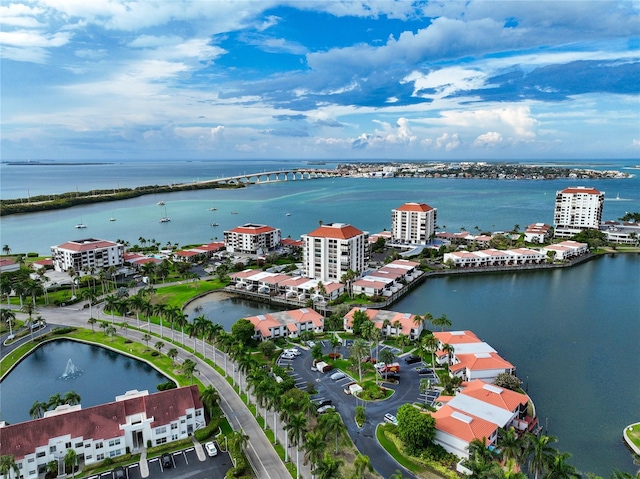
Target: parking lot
[[183, 465]]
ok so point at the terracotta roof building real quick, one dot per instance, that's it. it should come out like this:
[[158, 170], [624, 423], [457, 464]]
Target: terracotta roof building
[[87, 254], [287, 323], [577, 208], [333, 249], [389, 322], [108, 430], [413, 223], [252, 238]]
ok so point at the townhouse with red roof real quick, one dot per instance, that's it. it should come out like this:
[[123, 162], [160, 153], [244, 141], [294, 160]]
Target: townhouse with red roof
[[494, 257], [413, 223], [286, 323], [389, 279], [389, 322], [252, 239], [132, 421], [478, 411], [566, 249]]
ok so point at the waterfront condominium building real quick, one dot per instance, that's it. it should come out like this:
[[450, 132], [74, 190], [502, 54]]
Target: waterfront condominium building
[[413, 223], [87, 254], [252, 238], [577, 208], [333, 249]]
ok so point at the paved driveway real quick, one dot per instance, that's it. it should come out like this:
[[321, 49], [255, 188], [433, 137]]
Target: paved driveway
[[406, 391]]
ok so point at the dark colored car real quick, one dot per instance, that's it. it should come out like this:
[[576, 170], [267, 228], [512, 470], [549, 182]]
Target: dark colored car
[[167, 461], [324, 402], [411, 359], [118, 473], [423, 370]]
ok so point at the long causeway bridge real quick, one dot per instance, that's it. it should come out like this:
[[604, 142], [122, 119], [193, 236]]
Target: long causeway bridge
[[272, 176]]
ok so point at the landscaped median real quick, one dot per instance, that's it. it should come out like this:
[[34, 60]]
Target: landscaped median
[[631, 435]]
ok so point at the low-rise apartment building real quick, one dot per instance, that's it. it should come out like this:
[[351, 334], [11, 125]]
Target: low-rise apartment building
[[133, 421], [494, 257], [389, 322], [287, 323]]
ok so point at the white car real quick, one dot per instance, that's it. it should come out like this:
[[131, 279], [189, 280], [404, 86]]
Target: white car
[[211, 449], [287, 356], [327, 408], [390, 418], [337, 376], [294, 351]]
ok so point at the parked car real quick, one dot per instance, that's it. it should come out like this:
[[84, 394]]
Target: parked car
[[411, 359], [118, 473], [337, 376], [211, 449], [311, 343], [390, 418], [323, 402], [287, 356], [294, 351], [167, 461], [327, 408], [423, 370]]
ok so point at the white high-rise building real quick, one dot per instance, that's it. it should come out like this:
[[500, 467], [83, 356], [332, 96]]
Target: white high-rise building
[[577, 208], [331, 250], [413, 223], [87, 254], [252, 238]]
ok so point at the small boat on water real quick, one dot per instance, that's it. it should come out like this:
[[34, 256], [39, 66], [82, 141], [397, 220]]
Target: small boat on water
[[288, 214], [234, 212], [165, 218], [215, 224], [81, 226], [112, 219], [213, 209], [160, 203]]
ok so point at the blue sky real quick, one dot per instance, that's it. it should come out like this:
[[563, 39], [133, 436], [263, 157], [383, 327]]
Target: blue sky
[[110, 79]]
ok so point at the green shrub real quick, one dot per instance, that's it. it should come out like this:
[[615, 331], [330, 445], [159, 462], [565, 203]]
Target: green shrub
[[155, 353], [165, 386], [32, 255]]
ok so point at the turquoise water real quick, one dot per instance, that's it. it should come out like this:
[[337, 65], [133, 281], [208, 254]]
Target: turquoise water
[[574, 333]]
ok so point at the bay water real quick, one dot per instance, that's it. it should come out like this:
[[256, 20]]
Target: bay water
[[572, 334]]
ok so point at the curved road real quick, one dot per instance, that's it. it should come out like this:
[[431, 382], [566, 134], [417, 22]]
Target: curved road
[[260, 453]]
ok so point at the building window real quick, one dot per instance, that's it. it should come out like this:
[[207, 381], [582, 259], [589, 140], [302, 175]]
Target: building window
[[198, 412], [88, 457], [174, 426], [161, 430], [52, 449], [41, 454], [99, 457], [31, 459], [78, 444], [67, 445], [189, 416], [174, 437], [99, 445], [161, 440]]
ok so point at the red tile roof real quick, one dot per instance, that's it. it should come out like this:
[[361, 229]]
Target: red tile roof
[[86, 244], [589, 191], [456, 337], [97, 422], [419, 207], [462, 425], [495, 395], [336, 231], [252, 230]]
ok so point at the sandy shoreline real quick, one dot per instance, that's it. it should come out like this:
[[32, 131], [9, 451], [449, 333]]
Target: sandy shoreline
[[210, 297]]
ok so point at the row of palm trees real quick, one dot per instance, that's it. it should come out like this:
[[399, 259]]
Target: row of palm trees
[[38, 408], [515, 452]]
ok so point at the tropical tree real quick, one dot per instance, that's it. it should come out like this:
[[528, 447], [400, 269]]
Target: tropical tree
[[71, 398], [295, 428], [92, 321], [415, 429], [449, 349], [425, 385], [146, 338], [442, 321], [90, 297], [172, 354], [314, 447], [397, 475], [209, 397], [37, 409], [387, 356], [9, 317], [560, 469], [361, 464], [331, 423], [237, 442], [137, 303], [110, 331], [510, 445], [328, 468], [358, 352], [396, 326], [160, 309], [8, 464], [71, 461], [111, 304], [6, 250], [189, 369], [541, 454], [430, 343], [159, 345], [55, 400]]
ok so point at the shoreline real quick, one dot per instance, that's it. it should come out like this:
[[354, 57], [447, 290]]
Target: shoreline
[[627, 439]]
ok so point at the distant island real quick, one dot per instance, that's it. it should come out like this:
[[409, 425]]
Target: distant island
[[485, 170], [53, 163]]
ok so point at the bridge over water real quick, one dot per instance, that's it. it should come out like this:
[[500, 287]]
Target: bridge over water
[[292, 174]]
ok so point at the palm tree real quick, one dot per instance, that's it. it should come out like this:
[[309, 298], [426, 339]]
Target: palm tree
[[237, 442], [510, 445], [37, 409], [6, 287], [8, 316], [430, 343], [71, 398], [161, 310], [362, 464], [159, 345], [180, 320], [328, 468], [146, 338], [314, 447], [6, 250], [387, 356], [172, 354], [559, 469], [396, 325], [541, 453], [209, 397], [110, 331], [212, 333], [442, 321], [8, 464], [449, 349], [331, 423], [295, 428], [397, 475], [358, 351], [137, 303], [189, 369], [71, 461], [124, 326], [111, 303], [54, 401]]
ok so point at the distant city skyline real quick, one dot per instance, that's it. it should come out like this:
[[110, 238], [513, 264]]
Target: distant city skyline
[[324, 79]]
